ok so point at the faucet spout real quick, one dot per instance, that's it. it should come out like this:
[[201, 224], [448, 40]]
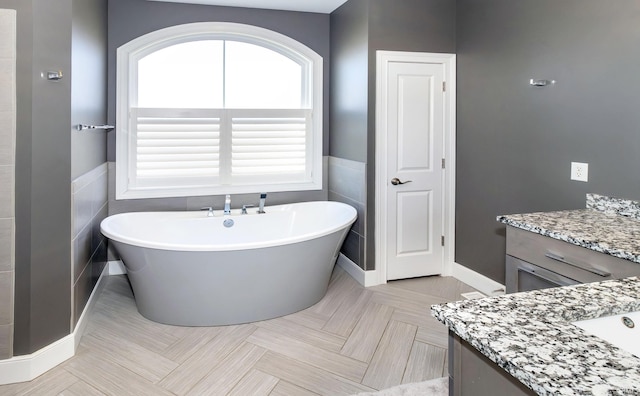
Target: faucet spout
[[209, 210], [227, 204], [263, 198]]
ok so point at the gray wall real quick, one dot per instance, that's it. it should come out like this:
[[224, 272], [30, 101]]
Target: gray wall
[[350, 81], [349, 107], [43, 168], [358, 29], [88, 84], [129, 19], [88, 149], [515, 142]]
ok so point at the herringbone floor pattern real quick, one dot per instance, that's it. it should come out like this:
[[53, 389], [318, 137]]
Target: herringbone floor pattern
[[356, 339]]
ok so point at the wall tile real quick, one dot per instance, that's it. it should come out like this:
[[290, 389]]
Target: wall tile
[[363, 254], [87, 280], [88, 178], [7, 176], [6, 341], [6, 191], [347, 178], [81, 209], [347, 183], [100, 192], [7, 81], [98, 262], [112, 254], [6, 297], [96, 236], [7, 138], [81, 251], [81, 292], [351, 248], [358, 226], [8, 33], [6, 245]]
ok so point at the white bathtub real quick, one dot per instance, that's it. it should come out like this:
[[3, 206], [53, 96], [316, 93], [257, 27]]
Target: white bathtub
[[188, 269]]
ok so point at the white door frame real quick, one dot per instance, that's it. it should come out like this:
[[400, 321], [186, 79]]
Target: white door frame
[[383, 58]]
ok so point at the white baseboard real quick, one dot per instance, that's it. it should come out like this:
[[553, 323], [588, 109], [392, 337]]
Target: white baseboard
[[116, 267], [27, 367], [477, 281], [365, 278]]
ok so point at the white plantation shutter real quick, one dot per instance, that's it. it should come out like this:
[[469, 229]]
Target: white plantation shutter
[[177, 148], [270, 146], [174, 147]]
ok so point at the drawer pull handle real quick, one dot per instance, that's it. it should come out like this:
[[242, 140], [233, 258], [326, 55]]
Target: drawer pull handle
[[586, 267]]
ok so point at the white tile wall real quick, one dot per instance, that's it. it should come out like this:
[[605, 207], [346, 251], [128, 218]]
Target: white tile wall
[[7, 176]]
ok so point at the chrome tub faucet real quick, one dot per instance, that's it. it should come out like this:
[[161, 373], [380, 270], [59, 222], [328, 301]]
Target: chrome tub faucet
[[263, 198], [227, 204]]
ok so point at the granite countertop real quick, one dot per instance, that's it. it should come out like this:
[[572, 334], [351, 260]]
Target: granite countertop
[[530, 336], [607, 225]]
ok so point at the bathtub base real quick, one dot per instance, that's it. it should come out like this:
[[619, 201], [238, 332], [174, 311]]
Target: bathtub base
[[229, 287]]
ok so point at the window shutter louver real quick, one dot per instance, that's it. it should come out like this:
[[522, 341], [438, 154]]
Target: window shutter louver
[[175, 144], [270, 144], [183, 146]]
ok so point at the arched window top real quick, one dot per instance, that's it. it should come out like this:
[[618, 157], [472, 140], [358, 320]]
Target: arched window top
[[275, 41], [242, 66], [213, 107]]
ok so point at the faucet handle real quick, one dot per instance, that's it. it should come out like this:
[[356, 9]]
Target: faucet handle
[[244, 208], [209, 209]]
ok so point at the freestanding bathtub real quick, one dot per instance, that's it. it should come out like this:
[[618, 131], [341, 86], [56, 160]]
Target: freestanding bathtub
[[191, 269]]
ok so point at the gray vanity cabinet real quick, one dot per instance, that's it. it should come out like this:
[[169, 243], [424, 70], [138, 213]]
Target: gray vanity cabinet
[[535, 261], [473, 374]]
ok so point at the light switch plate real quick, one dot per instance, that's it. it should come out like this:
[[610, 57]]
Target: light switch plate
[[580, 171]]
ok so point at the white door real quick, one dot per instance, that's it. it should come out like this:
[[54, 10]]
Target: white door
[[414, 169]]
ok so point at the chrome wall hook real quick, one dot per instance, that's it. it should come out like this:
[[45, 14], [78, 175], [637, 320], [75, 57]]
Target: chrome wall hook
[[541, 83], [83, 127]]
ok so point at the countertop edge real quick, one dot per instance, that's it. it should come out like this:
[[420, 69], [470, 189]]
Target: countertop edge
[[461, 320], [588, 244]]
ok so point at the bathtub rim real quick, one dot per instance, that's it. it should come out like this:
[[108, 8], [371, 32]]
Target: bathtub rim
[[228, 247]]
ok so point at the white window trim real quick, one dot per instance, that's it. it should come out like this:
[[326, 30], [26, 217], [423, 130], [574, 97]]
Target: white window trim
[[129, 53]]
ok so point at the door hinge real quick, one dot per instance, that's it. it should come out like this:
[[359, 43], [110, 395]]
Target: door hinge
[[442, 240], [443, 163], [444, 86]]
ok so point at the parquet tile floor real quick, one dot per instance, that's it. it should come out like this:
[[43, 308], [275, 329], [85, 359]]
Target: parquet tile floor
[[355, 339]]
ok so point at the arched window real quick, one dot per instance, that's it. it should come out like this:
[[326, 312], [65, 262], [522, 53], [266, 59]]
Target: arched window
[[217, 108]]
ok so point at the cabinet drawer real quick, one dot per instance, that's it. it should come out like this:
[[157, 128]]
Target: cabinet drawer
[[575, 262]]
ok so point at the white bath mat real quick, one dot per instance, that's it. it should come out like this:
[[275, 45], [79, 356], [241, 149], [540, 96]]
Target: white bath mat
[[435, 387]]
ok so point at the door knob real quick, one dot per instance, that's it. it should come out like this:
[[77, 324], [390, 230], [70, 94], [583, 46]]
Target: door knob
[[395, 181]]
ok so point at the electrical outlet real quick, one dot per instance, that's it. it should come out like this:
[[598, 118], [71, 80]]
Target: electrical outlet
[[580, 171]]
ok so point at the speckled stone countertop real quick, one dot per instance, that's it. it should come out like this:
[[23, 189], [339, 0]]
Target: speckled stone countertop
[[530, 336], [607, 225]]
